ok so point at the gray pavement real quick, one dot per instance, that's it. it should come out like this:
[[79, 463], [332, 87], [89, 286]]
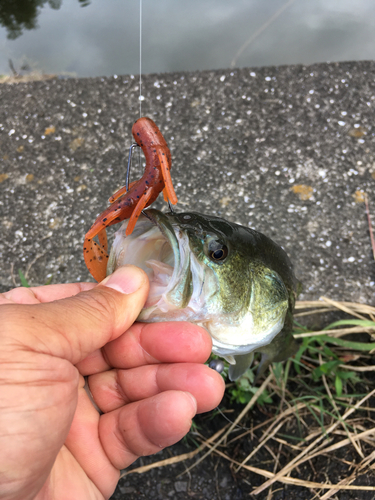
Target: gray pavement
[[241, 140]]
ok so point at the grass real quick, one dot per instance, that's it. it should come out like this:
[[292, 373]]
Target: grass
[[24, 279], [318, 409]]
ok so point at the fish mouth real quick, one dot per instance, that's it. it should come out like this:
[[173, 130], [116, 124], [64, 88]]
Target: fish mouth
[[179, 287]]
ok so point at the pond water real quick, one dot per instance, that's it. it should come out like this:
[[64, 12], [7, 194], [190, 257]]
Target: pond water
[[101, 37]]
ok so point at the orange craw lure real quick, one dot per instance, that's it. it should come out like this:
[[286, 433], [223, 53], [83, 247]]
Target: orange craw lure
[[129, 204]]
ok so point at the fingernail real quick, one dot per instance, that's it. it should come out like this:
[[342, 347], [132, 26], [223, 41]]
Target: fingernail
[[126, 279]]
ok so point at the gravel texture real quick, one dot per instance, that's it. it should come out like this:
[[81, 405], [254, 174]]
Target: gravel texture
[[240, 140], [243, 143]]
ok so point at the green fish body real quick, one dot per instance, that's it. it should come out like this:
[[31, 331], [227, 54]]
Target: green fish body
[[234, 281]]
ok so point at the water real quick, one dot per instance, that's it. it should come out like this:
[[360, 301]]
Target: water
[[101, 37]]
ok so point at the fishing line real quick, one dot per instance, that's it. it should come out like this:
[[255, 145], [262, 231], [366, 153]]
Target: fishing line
[[140, 98], [134, 145], [140, 85], [259, 31], [140, 59], [231, 421]]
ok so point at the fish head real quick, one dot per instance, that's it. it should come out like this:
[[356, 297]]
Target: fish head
[[232, 280]]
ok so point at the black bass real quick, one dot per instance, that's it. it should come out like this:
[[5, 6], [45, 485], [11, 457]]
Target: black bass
[[234, 281]]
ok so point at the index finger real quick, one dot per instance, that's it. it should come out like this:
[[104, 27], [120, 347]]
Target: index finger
[[46, 293], [151, 343]]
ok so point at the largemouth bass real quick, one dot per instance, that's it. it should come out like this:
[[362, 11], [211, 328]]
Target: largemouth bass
[[234, 281]]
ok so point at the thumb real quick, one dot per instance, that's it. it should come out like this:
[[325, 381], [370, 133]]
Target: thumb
[[74, 327]]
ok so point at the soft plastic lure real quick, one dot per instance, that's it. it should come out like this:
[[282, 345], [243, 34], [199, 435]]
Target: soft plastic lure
[[129, 201]]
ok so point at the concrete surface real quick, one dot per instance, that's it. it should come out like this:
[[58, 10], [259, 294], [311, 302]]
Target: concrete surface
[[240, 140]]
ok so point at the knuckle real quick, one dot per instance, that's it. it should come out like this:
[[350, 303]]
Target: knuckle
[[20, 295], [99, 305]]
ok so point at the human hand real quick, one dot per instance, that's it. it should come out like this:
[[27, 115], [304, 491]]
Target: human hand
[[147, 379]]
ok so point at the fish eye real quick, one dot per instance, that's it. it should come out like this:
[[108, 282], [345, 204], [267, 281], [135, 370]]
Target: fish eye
[[217, 251]]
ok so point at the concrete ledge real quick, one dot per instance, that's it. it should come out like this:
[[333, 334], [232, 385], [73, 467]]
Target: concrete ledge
[[240, 140]]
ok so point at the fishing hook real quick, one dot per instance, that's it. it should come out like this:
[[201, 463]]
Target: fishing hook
[[129, 163]]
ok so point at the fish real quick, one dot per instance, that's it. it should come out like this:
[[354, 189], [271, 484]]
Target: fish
[[232, 280]]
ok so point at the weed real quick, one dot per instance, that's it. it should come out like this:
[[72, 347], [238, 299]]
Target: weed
[[25, 283], [244, 389]]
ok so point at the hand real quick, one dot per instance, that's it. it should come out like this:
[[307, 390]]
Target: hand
[[147, 379]]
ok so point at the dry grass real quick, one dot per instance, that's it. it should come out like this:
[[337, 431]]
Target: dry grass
[[331, 416], [33, 76]]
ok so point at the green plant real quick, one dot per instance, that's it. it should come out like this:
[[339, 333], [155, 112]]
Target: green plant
[[25, 283], [23, 280], [329, 363], [244, 389]]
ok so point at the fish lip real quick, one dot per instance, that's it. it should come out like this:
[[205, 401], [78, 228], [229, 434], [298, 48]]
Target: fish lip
[[177, 293], [185, 290]]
